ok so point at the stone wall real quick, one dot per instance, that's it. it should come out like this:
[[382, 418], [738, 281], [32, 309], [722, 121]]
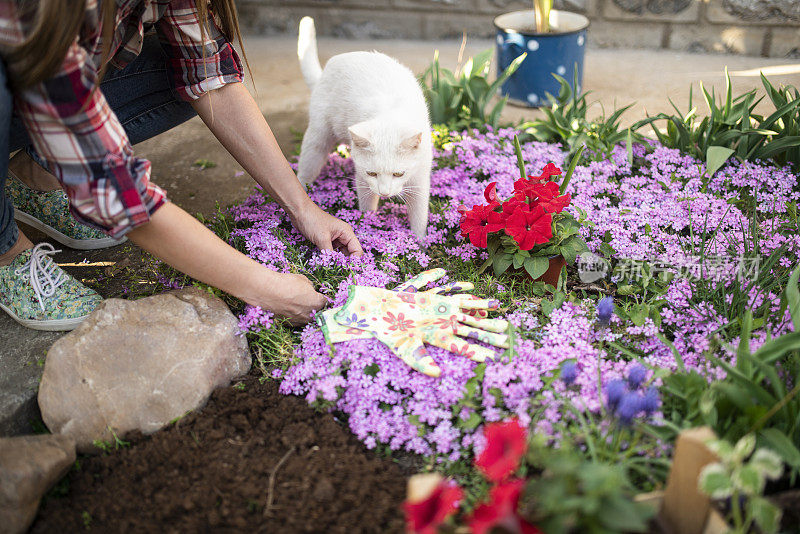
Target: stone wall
[[753, 27]]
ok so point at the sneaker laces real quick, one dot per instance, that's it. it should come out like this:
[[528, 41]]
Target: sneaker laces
[[44, 274]]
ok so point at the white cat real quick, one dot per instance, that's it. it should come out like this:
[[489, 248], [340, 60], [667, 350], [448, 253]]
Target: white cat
[[373, 103]]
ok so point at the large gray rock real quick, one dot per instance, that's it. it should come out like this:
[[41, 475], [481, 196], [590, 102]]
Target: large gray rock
[[29, 466], [764, 9], [137, 365]]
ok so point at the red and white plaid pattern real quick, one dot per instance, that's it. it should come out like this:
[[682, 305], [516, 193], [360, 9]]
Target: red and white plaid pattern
[[75, 131]]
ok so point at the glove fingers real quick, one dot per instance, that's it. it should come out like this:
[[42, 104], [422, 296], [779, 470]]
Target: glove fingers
[[421, 280], [492, 325], [492, 338], [335, 332], [457, 345], [452, 287], [471, 302]]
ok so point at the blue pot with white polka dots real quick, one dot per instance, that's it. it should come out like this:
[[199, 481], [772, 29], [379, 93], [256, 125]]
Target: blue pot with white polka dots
[[559, 51]]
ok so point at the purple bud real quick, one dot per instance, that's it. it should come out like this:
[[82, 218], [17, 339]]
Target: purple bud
[[629, 407], [651, 400], [605, 309], [569, 373], [614, 392], [636, 376]]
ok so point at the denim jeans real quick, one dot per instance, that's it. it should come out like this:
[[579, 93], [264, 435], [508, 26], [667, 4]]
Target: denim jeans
[[140, 95]]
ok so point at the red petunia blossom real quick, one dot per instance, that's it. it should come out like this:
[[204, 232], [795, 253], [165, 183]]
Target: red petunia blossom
[[549, 170], [530, 226], [424, 517], [556, 204], [505, 445], [501, 511], [490, 194], [535, 191], [479, 222]]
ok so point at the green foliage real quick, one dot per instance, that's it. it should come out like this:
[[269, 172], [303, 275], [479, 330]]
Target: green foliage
[[573, 494], [565, 122], [734, 129], [755, 396], [741, 475], [460, 100], [204, 164], [108, 446]]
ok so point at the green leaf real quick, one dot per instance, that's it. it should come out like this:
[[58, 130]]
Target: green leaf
[[793, 298], [536, 266], [765, 514], [626, 290], [520, 161], [781, 444], [501, 263], [768, 463], [716, 156], [573, 163], [748, 480], [715, 481], [744, 447]]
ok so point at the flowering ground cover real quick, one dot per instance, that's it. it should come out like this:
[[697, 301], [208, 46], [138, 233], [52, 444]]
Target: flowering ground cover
[[675, 242]]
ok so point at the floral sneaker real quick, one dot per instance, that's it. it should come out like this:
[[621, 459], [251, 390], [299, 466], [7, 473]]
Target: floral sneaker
[[48, 211], [38, 294]]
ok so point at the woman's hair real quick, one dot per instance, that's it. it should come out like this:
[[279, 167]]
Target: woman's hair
[[55, 25]]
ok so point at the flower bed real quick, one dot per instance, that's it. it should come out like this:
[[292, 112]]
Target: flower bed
[[652, 205]]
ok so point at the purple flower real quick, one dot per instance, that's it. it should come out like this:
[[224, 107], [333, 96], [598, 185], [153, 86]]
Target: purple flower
[[615, 390], [651, 401], [605, 309], [636, 376], [569, 373], [629, 407]]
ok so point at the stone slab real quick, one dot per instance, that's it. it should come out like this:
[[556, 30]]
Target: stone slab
[[785, 42], [717, 13], [615, 34]]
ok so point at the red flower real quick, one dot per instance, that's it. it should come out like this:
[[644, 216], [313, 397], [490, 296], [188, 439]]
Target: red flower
[[479, 222], [549, 170], [398, 322], [501, 511], [490, 193], [555, 204], [534, 191], [505, 445], [425, 516], [529, 226]]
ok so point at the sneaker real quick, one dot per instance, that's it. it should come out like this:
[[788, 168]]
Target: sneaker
[[48, 212], [38, 294]]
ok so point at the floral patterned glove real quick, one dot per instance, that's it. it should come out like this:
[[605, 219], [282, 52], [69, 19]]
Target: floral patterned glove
[[337, 333], [404, 321]]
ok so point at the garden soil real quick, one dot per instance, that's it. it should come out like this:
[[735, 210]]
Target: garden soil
[[252, 460]]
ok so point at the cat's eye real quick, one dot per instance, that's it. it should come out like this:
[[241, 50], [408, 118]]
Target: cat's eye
[[371, 173], [398, 174]]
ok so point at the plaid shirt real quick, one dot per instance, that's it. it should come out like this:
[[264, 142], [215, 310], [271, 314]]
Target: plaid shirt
[[75, 131]]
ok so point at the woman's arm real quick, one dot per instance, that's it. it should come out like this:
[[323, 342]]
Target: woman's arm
[[180, 240], [233, 116]]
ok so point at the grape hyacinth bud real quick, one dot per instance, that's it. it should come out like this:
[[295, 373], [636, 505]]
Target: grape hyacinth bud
[[629, 407], [614, 393], [569, 373], [651, 400], [605, 309], [636, 376]]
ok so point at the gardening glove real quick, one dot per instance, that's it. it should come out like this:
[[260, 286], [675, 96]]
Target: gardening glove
[[337, 333], [404, 321]]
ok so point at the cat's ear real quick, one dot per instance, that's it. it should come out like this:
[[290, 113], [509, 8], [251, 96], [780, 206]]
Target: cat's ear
[[411, 143], [358, 136]]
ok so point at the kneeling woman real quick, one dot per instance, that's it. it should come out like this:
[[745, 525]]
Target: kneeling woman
[[83, 80]]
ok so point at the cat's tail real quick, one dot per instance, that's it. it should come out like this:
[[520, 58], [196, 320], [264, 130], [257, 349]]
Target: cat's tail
[[307, 52]]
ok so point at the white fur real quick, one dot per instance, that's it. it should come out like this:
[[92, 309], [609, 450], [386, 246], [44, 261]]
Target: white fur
[[374, 104]]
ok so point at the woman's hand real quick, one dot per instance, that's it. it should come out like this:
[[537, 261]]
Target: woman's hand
[[326, 231], [291, 296]]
